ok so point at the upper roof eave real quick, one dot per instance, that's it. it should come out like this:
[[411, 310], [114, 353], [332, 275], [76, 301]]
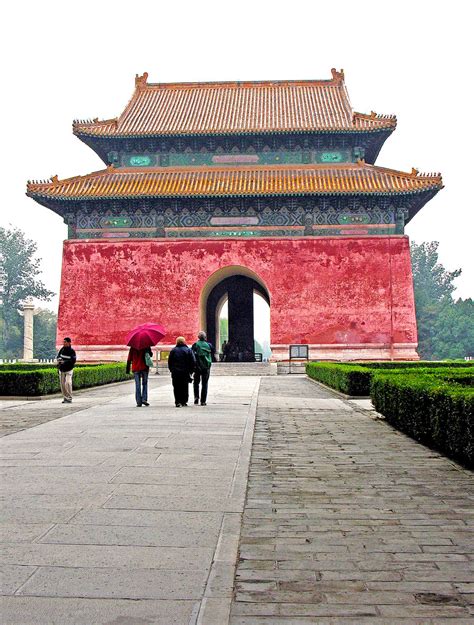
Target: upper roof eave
[[83, 132], [236, 108]]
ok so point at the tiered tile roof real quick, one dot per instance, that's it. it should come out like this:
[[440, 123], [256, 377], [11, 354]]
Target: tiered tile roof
[[228, 108], [341, 179]]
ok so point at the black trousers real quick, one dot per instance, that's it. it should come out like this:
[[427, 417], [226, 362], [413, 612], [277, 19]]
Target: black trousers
[[203, 378], [180, 387]]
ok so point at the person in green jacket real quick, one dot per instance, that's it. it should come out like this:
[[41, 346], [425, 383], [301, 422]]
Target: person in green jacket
[[202, 351]]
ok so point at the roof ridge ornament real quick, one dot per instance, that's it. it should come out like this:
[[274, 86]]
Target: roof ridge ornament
[[140, 81], [337, 76], [55, 180], [414, 172]]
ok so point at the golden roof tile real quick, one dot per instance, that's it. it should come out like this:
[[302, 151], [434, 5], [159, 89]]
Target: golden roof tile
[[218, 108], [347, 178]]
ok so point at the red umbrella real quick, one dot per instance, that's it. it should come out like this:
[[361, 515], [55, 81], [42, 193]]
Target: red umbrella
[[145, 335]]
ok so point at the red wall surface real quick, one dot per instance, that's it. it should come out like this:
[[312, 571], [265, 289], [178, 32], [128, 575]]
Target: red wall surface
[[345, 297]]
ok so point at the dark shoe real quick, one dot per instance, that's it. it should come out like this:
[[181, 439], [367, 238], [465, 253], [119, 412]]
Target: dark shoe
[[178, 405], [139, 405], [185, 404], [145, 403], [196, 401], [203, 403]]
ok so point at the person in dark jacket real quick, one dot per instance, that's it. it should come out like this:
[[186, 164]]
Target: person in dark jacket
[[203, 355], [181, 365], [66, 360], [136, 359]]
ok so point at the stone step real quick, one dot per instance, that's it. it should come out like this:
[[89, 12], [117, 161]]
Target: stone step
[[244, 368], [233, 368]]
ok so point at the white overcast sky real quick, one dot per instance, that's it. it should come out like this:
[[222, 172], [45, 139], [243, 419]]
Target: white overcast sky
[[67, 60]]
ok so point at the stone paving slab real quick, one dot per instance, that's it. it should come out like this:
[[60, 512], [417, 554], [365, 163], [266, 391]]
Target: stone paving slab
[[100, 556], [108, 583], [75, 534], [348, 520], [85, 611], [14, 576], [119, 515]]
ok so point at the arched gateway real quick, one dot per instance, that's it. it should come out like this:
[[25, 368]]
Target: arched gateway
[[236, 286], [274, 178]]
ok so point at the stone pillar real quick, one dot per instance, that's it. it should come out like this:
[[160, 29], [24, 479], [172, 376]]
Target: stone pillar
[[28, 314], [240, 307]]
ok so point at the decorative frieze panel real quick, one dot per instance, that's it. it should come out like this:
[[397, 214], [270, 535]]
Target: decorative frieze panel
[[266, 157], [235, 218], [360, 144]]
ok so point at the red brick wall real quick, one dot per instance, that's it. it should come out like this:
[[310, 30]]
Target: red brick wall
[[324, 291]]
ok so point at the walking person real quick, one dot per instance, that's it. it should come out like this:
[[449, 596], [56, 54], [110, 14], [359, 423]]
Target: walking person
[[181, 365], [223, 353], [203, 355], [137, 359], [66, 360]]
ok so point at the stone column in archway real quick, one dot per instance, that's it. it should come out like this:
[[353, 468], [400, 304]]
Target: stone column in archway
[[240, 303]]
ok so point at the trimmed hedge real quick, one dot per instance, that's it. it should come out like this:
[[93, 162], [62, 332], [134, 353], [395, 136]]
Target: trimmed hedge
[[355, 378], [33, 366], [434, 409], [44, 381], [415, 364], [349, 379]]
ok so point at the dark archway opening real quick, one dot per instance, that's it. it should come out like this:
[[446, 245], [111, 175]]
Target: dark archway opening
[[239, 292]]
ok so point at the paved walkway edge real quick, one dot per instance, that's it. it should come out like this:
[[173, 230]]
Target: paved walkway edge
[[217, 599]]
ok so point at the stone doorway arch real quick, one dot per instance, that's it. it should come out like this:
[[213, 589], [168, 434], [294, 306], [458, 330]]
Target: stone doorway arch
[[236, 285]]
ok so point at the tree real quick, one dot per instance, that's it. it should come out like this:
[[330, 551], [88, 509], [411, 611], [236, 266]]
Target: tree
[[445, 327], [44, 336], [223, 331], [454, 330], [18, 274], [432, 282], [258, 349]]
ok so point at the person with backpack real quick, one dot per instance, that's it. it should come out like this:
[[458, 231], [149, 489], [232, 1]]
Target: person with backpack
[[202, 351]]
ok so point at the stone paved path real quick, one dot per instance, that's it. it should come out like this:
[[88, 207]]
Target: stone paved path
[[348, 521], [20, 414], [114, 515]]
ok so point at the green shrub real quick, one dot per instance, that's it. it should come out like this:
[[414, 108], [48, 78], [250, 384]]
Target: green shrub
[[347, 378], [415, 364], [101, 374], [36, 382], [45, 380], [430, 407], [354, 378], [33, 366]]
